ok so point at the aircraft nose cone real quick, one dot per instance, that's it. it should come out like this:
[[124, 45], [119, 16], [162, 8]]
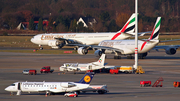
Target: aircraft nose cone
[[6, 89], [32, 39]]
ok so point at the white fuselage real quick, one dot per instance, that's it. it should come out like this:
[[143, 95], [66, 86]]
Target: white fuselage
[[55, 87], [83, 38], [79, 67], [128, 46]]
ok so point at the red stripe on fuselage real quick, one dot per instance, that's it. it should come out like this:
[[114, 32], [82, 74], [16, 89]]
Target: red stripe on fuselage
[[143, 45], [124, 28]]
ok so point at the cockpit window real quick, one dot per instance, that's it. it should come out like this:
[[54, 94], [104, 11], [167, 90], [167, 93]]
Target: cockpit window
[[12, 85]]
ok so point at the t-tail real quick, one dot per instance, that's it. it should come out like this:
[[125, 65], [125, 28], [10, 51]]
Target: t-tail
[[101, 60], [87, 78], [155, 31], [129, 27]]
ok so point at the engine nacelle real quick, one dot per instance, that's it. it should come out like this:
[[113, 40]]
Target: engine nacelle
[[82, 51], [142, 55], [53, 43], [67, 84], [171, 51], [98, 53]]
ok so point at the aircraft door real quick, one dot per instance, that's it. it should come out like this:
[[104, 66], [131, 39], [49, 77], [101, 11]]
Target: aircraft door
[[19, 86], [90, 67]]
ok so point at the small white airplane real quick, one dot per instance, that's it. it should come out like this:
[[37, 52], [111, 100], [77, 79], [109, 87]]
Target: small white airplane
[[127, 47], [51, 87], [83, 67], [58, 40]]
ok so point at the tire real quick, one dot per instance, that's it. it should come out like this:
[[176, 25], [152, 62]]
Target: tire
[[100, 92], [74, 95], [41, 48]]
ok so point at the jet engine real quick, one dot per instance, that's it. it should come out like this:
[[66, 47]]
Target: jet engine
[[142, 55], [98, 53], [55, 44], [171, 51], [82, 51], [67, 84]]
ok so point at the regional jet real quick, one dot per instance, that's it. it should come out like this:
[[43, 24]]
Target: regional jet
[[83, 66], [50, 87]]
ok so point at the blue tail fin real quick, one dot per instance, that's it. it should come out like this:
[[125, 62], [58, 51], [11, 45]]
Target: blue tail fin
[[87, 78]]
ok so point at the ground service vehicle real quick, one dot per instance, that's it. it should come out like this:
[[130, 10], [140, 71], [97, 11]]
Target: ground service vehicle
[[139, 70], [114, 71], [46, 69], [101, 89], [145, 83], [30, 72], [176, 84], [71, 94], [126, 69]]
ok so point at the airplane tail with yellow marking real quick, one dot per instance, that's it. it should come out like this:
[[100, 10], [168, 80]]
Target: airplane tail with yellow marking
[[87, 78]]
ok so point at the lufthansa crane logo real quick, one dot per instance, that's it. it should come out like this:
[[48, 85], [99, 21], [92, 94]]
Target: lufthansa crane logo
[[87, 78]]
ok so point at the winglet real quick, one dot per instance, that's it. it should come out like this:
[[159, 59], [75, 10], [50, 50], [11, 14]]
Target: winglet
[[87, 78]]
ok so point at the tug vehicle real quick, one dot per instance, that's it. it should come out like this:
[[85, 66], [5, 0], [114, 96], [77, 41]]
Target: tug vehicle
[[46, 69]]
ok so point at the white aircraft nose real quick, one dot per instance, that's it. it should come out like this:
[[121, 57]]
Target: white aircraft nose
[[6, 89], [32, 40]]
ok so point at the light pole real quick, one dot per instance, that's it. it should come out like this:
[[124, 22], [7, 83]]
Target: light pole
[[136, 35]]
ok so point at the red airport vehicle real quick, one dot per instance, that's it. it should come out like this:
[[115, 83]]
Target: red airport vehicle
[[176, 84], [114, 71], [145, 83], [46, 69], [89, 71], [71, 94], [30, 72]]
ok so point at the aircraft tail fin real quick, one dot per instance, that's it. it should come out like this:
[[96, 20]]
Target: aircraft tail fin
[[101, 61], [129, 27], [155, 31], [87, 78]]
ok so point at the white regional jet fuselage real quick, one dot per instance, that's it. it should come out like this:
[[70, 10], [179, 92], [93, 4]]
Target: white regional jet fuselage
[[83, 66], [79, 67], [55, 87]]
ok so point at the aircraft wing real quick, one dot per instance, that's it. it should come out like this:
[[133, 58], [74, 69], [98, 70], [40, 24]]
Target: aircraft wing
[[139, 34], [107, 48], [166, 47], [69, 41], [169, 40], [99, 47]]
